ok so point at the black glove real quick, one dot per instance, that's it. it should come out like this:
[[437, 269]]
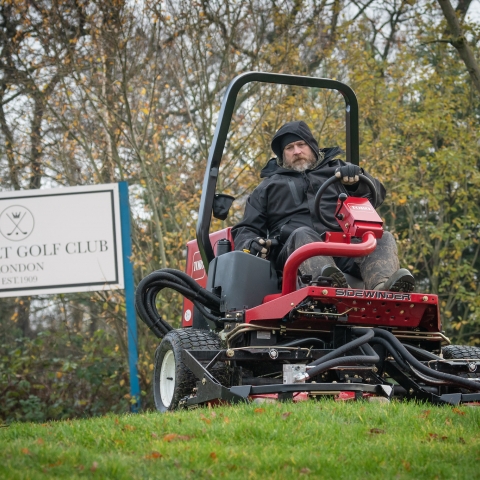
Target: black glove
[[349, 173], [260, 247]]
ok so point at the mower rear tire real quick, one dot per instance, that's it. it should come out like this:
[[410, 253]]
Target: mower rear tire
[[172, 380], [463, 352]]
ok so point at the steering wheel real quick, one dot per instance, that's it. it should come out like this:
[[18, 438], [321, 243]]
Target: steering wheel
[[324, 187]]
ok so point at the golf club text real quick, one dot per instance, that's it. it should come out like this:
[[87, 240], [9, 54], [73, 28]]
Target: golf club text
[[51, 249]]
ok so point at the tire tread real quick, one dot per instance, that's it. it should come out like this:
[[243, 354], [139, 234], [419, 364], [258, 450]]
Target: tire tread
[[462, 352]]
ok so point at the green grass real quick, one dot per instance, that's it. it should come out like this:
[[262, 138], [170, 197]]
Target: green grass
[[324, 439]]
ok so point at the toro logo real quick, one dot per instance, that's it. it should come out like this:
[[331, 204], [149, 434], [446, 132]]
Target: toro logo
[[198, 269], [360, 207]]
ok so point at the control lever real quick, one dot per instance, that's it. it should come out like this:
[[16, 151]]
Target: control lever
[[342, 197]]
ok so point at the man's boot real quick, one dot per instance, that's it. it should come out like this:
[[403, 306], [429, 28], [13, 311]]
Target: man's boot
[[401, 281], [337, 276]]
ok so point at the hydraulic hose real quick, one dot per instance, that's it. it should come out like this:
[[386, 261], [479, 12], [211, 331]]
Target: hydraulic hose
[[393, 352], [372, 358], [423, 353], [408, 357], [301, 341], [345, 348], [427, 379], [152, 284]]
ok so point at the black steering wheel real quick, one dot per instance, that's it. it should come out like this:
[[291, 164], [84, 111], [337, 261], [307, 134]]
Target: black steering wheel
[[324, 187]]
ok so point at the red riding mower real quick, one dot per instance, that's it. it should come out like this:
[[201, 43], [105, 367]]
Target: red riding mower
[[246, 333]]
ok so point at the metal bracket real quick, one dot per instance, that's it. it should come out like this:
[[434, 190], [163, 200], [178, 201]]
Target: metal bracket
[[208, 388]]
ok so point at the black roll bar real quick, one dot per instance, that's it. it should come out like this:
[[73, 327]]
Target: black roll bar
[[223, 125]]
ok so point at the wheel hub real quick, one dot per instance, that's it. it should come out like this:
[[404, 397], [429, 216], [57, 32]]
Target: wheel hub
[[167, 378]]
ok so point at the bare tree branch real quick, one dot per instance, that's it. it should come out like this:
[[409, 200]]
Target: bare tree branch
[[459, 41]]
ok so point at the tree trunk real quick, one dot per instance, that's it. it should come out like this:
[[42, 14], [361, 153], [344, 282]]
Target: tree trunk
[[458, 40]]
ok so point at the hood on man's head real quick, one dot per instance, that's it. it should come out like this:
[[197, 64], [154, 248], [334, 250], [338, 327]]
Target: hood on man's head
[[299, 129]]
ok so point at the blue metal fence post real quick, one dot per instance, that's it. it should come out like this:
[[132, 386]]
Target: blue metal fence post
[[129, 295]]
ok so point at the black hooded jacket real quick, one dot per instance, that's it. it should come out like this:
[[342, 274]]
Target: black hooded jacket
[[285, 199]]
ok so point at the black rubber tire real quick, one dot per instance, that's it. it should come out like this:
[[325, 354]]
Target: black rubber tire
[[176, 341], [462, 352]]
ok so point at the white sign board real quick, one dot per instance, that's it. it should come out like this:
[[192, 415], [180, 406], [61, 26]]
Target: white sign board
[[60, 240]]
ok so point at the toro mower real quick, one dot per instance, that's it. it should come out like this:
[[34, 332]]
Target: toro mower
[[250, 332]]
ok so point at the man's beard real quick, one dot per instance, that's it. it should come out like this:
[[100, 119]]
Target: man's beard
[[303, 164]]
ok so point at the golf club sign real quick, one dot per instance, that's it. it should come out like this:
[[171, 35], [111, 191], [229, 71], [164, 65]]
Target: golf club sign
[[60, 240]]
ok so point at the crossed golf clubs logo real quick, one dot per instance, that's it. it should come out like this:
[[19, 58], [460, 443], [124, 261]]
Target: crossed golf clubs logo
[[16, 223]]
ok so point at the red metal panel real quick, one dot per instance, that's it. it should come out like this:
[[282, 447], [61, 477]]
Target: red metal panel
[[196, 269], [363, 307]]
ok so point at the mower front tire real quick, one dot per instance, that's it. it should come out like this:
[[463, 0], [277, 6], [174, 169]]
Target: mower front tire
[[172, 380]]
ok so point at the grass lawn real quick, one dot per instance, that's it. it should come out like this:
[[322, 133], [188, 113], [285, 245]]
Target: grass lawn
[[323, 439]]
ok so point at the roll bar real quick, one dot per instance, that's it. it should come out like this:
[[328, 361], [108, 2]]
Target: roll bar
[[223, 125]]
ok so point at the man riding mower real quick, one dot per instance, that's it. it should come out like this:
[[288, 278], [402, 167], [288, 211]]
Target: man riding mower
[[328, 313]]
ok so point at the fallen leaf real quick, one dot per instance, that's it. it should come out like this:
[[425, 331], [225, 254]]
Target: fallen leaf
[[116, 421], [154, 435], [406, 465], [432, 436], [81, 467], [448, 421], [40, 441], [171, 437], [376, 430], [26, 451], [305, 471], [458, 411], [94, 466], [213, 456], [213, 414], [226, 420], [425, 414], [259, 410], [203, 418], [153, 456], [286, 415], [130, 428]]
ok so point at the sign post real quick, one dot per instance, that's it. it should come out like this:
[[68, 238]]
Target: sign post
[[129, 296], [66, 240]]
